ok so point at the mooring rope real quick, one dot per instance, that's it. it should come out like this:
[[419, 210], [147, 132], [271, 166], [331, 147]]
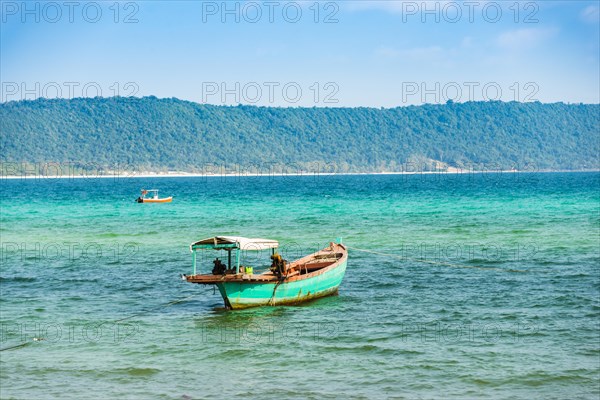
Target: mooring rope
[[434, 262], [272, 299], [16, 346], [169, 304]]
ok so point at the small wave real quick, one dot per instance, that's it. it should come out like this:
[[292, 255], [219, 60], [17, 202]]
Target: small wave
[[115, 235], [17, 279], [79, 280], [577, 275], [108, 235], [365, 348], [552, 262], [590, 352], [517, 231], [74, 298], [139, 371], [382, 285], [234, 353], [536, 379]]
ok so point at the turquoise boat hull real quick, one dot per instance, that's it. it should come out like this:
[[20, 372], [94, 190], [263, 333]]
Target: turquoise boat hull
[[238, 295]]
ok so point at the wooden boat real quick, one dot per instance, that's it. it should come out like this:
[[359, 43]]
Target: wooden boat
[[151, 196], [310, 277]]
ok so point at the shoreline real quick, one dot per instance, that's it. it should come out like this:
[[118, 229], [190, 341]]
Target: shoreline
[[178, 174]]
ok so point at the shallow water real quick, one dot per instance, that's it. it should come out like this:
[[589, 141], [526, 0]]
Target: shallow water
[[506, 304]]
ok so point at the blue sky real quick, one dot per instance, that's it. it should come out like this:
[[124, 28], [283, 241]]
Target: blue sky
[[303, 53]]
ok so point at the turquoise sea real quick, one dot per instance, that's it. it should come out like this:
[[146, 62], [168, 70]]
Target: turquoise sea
[[477, 286]]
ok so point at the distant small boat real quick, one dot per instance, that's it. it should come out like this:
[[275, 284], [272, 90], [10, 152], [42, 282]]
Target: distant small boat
[[310, 277], [151, 196]]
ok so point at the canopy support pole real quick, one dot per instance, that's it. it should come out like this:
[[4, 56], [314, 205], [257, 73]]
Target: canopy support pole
[[194, 260], [229, 259], [237, 255]]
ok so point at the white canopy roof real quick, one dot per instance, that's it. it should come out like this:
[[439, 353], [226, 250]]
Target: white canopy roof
[[251, 244]]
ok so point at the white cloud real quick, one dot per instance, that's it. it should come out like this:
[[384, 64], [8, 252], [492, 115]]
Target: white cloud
[[386, 52], [466, 42], [524, 38], [423, 53], [591, 14]]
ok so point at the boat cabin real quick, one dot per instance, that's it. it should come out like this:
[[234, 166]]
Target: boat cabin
[[149, 194], [233, 246]]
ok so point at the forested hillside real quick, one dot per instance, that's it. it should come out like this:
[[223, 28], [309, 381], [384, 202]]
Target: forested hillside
[[170, 134]]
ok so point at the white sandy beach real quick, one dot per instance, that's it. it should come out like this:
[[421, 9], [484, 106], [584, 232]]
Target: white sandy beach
[[180, 174]]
